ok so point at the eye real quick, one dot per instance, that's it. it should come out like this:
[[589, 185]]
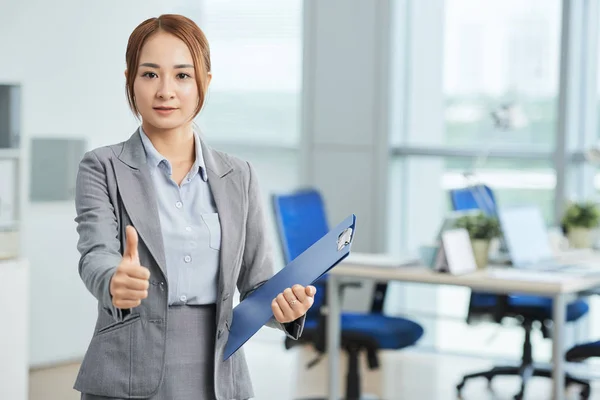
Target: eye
[[183, 76], [149, 74]]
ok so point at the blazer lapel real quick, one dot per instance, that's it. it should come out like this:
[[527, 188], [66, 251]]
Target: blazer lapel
[[137, 193], [227, 190]]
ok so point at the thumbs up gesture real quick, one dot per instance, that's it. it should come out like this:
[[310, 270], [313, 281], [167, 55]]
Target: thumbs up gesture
[[129, 284]]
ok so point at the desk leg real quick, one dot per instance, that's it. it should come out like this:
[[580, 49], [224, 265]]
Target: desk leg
[[559, 316], [333, 335]]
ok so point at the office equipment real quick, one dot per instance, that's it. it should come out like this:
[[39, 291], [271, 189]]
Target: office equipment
[[255, 310], [301, 220], [529, 243], [556, 306], [526, 236], [527, 308]]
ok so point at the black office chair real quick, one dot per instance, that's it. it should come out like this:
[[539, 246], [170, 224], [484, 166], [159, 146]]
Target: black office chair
[[301, 221], [528, 309], [580, 353]]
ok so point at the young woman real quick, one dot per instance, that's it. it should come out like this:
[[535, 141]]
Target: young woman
[[168, 228]]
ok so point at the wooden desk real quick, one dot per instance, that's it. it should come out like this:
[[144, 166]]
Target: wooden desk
[[496, 279]]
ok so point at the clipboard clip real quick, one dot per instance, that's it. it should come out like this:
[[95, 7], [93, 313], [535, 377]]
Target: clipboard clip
[[344, 238]]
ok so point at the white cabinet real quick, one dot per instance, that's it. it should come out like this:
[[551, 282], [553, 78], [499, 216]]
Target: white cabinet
[[14, 329]]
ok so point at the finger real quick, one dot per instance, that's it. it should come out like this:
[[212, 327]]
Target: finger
[[130, 295], [131, 244], [299, 292], [137, 272], [310, 291], [137, 284], [277, 313], [124, 304], [289, 295], [288, 313]]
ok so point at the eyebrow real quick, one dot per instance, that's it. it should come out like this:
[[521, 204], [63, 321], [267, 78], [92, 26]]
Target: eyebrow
[[177, 66]]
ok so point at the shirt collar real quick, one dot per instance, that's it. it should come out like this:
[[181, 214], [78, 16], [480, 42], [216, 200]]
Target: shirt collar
[[154, 158]]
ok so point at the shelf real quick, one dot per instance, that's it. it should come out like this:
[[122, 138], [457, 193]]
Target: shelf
[[10, 154]]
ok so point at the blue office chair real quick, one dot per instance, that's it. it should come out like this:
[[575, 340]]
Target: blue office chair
[[528, 309], [301, 221]]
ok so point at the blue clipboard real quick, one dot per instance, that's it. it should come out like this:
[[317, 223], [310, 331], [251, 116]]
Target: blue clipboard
[[255, 310]]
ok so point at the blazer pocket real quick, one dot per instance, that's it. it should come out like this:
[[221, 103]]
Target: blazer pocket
[[214, 229], [118, 325], [106, 367]]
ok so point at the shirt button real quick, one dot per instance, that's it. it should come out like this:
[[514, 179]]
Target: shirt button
[[188, 228], [178, 204], [183, 298], [187, 259]]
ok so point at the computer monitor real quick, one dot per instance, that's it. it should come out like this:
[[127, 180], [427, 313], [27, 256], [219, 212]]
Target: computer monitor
[[526, 235]]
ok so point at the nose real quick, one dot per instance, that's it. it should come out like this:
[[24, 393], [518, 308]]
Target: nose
[[165, 90]]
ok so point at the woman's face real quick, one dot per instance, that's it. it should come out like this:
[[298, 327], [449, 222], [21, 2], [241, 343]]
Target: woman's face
[[165, 89]]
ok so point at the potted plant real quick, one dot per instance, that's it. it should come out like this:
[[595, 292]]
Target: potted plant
[[482, 229], [578, 221]]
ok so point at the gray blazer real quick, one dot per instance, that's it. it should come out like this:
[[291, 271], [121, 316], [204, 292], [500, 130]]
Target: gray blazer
[[125, 358]]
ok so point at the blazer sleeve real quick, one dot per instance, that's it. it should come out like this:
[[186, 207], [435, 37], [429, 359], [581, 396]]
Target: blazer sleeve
[[99, 245], [257, 263]]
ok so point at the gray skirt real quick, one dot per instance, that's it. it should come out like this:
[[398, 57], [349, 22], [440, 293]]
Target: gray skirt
[[189, 366]]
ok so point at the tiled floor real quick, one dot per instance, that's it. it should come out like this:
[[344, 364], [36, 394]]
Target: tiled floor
[[404, 375]]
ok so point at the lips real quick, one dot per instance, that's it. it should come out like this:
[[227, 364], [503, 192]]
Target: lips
[[164, 108]]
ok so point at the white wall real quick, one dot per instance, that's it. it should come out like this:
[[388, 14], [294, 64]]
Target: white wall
[[69, 57]]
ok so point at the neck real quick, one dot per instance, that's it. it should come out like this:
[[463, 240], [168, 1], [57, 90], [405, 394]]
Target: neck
[[176, 144]]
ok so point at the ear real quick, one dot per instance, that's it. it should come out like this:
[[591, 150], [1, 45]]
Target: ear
[[125, 73], [209, 76]]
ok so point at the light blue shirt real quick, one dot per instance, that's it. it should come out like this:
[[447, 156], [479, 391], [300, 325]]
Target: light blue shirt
[[190, 227]]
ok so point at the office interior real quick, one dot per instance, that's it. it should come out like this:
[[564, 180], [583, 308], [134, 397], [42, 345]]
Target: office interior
[[385, 108]]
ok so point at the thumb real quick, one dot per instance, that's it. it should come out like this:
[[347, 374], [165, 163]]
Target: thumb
[[131, 244], [310, 290]]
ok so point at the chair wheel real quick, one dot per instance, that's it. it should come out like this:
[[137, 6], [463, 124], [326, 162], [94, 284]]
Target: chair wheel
[[518, 396], [460, 386]]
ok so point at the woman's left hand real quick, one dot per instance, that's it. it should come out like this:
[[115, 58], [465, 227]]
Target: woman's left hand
[[293, 303]]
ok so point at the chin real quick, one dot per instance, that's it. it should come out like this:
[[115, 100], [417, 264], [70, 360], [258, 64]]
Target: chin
[[164, 124]]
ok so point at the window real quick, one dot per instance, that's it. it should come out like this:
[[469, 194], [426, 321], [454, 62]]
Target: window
[[506, 53], [256, 51], [429, 180], [481, 95]]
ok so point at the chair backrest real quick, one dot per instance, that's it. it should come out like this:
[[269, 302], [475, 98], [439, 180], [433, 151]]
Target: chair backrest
[[478, 197], [301, 221]]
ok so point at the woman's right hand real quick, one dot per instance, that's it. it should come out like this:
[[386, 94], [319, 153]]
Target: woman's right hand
[[130, 282]]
